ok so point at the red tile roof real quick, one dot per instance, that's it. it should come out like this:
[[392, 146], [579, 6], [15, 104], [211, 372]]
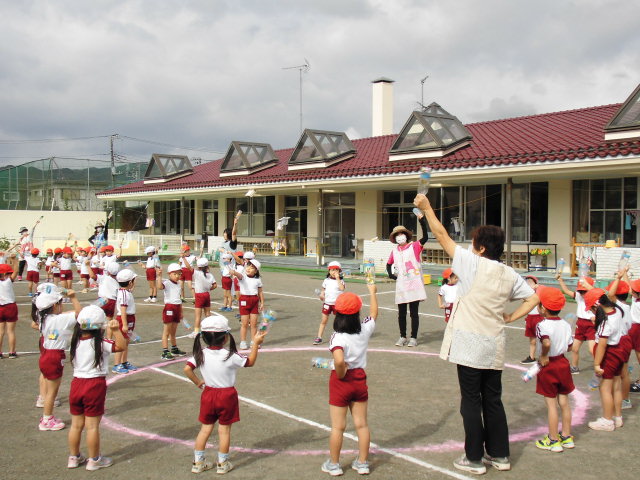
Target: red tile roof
[[568, 135]]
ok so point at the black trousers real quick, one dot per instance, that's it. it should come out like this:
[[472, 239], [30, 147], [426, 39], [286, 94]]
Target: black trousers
[[483, 416], [402, 318], [21, 266]]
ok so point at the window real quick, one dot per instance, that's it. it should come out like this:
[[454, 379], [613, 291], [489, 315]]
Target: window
[[246, 157], [319, 148], [258, 218], [397, 210]]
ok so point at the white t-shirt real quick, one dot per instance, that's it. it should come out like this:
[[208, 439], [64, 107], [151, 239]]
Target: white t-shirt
[[581, 311], [558, 331], [65, 263], [611, 328], [171, 293], [107, 259], [190, 260], [331, 290], [48, 261], [249, 285], [354, 346], [215, 370], [57, 330], [153, 261], [85, 356], [635, 310], [56, 268], [202, 283], [7, 295], [33, 263], [95, 262], [124, 297], [449, 293], [107, 286], [80, 264], [625, 325]]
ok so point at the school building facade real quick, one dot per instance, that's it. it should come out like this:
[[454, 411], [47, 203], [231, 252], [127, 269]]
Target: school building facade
[[551, 181]]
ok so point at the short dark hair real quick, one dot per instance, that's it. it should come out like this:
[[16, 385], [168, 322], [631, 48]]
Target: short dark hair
[[344, 323], [490, 237]]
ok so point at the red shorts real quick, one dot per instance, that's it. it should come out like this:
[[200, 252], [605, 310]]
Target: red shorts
[[171, 313], [447, 313], [236, 284], [87, 396], [52, 363], [56, 274], [248, 304], [187, 274], [531, 322], [352, 388], [328, 309], [219, 405], [585, 330], [555, 378], [109, 308], [613, 360], [47, 268], [634, 333], [33, 276], [226, 283], [9, 313], [151, 274], [131, 324], [85, 275], [66, 275], [203, 300], [626, 345]]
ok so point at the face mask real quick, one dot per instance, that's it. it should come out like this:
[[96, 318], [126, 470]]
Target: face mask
[[401, 239]]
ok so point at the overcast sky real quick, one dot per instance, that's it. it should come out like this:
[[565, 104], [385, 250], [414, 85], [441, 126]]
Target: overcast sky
[[204, 73]]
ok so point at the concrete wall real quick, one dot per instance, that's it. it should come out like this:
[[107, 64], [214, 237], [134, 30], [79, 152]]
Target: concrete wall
[[560, 217]]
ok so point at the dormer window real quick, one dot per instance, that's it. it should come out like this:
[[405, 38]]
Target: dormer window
[[625, 125], [319, 148], [244, 158], [163, 168]]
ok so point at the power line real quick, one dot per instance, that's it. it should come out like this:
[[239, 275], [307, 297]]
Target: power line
[[195, 149], [49, 140]]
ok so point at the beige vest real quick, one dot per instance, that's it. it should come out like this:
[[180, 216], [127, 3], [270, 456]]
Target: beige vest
[[475, 336]]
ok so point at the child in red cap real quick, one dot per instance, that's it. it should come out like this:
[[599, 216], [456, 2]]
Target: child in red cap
[[554, 381], [348, 381], [8, 305], [332, 288], [618, 292], [448, 292], [531, 321]]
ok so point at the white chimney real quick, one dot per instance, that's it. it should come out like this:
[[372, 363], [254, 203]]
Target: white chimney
[[382, 107]]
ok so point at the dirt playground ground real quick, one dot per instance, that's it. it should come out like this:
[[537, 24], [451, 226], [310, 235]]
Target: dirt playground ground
[[416, 429]]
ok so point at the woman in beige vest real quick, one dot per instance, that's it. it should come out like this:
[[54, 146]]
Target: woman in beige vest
[[474, 338]]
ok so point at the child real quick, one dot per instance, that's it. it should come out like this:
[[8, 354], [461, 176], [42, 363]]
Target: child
[[152, 263], [332, 287], [55, 267], [238, 264], [8, 306], [47, 265], [634, 331], [126, 316], [107, 288], [448, 292], [348, 382], [33, 270], [554, 380], [585, 326], [219, 400], [186, 261], [83, 259], [172, 312], [64, 263], [618, 291], [90, 358], [227, 282], [56, 329], [608, 358], [203, 283], [532, 320], [251, 299], [108, 257]]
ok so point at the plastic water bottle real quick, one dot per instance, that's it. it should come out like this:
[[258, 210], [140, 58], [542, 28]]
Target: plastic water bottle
[[417, 212], [624, 260], [238, 214], [370, 271], [594, 383], [532, 372], [186, 323], [135, 338], [560, 266], [583, 268], [630, 368], [322, 362], [424, 180], [317, 292], [268, 317], [101, 302]]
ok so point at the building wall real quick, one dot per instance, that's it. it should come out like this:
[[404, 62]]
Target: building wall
[[560, 216], [367, 218]]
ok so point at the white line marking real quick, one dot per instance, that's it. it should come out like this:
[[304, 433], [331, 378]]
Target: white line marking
[[388, 451]]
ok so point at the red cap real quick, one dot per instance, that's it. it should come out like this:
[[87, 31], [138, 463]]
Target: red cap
[[103, 249], [551, 298], [348, 303], [88, 249], [535, 279], [623, 287], [109, 247], [239, 253], [49, 250], [186, 247], [592, 297], [589, 280], [447, 273], [635, 285], [35, 251], [5, 268], [57, 250], [67, 250]]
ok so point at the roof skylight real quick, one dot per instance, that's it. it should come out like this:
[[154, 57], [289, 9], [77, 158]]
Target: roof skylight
[[626, 122], [243, 158], [320, 148], [163, 168]]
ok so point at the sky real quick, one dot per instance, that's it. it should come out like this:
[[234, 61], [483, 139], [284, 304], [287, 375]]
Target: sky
[[188, 77]]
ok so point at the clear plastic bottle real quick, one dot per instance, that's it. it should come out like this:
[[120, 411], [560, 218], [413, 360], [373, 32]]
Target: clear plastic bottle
[[370, 271], [532, 372], [238, 214], [624, 259], [268, 317], [560, 266], [101, 302], [322, 362], [317, 292], [417, 212], [424, 180], [186, 324], [594, 383], [135, 338], [583, 267]]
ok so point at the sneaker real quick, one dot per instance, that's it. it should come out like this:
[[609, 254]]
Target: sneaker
[[412, 342], [361, 467], [166, 356], [317, 341], [224, 467], [635, 388], [499, 463], [402, 341], [13, 355], [154, 300], [617, 421], [548, 444], [201, 466], [567, 442], [332, 469], [75, 461], [19, 278], [243, 345], [53, 424], [176, 352], [101, 462], [574, 370], [29, 294], [223, 309], [603, 424], [1, 356], [147, 300], [528, 360], [40, 401], [463, 463], [626, 404], [120, 368], [84, 290], [128, 366]]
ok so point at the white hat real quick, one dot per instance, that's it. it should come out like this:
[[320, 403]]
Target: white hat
[[202, 262], [92, 317], [23, 229], [255, 263], [334, 265], [215, 323], [149, 249], [125, 275], [48, 288], [46, 300], [249, 256], [174, 267], [113, 268], [228, 256]]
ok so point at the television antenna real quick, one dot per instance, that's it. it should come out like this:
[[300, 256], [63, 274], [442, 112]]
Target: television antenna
[[422, 90], [304, 68]]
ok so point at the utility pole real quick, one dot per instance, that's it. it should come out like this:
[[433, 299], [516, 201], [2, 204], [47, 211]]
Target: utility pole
[[113, 161]]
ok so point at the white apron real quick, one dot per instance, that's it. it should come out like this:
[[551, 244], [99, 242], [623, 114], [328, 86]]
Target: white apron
[[409, 285]]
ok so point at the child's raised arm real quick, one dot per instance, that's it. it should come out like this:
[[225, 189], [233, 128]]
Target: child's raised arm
[[373, 305], [159, 283], [563, 287]]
